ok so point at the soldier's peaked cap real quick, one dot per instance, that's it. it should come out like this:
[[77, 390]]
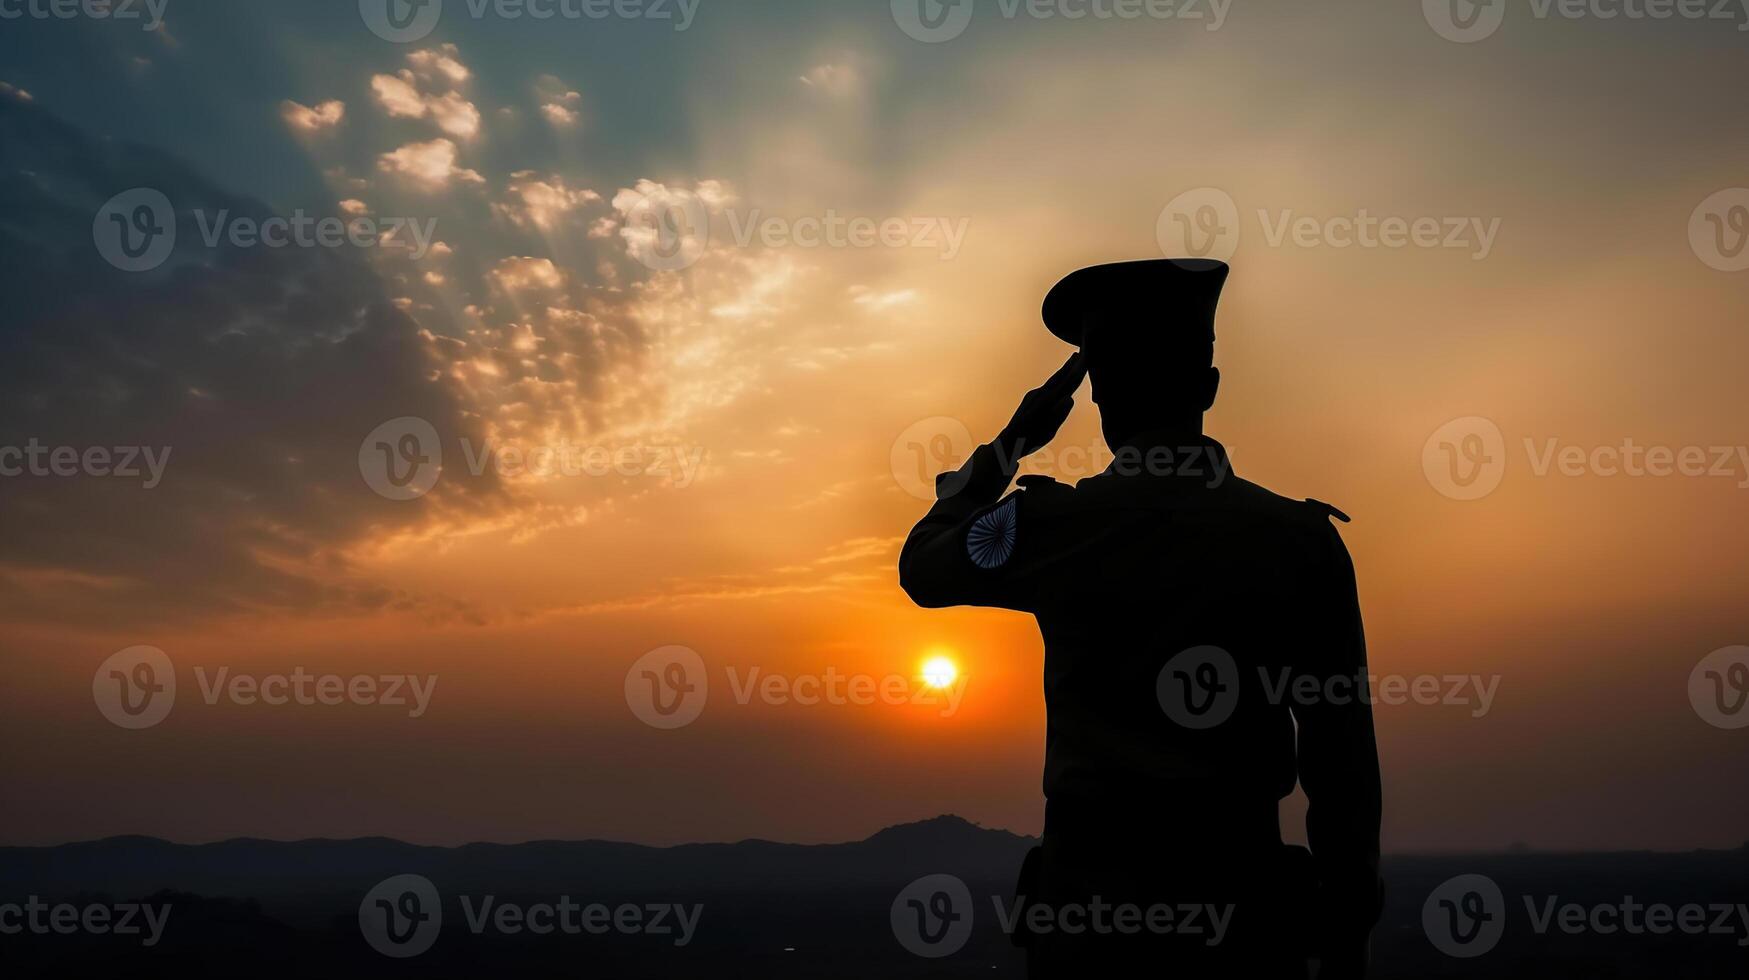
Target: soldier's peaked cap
[[1172, 296]]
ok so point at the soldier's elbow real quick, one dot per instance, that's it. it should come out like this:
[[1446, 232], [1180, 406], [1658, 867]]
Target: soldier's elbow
[[923, 588], [920, 592]]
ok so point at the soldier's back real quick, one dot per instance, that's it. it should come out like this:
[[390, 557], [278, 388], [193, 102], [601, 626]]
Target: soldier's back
[[1170, 628]]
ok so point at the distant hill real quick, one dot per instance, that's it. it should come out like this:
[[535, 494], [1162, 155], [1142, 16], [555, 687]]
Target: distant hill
[[291, 909], [284, 875]]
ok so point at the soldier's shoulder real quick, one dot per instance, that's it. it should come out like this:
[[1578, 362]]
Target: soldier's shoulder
[[1296, 510], [1046, 493], [1093, 500], [1326, 512]]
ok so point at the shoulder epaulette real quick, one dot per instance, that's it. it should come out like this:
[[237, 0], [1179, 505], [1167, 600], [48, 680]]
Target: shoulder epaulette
[[1328, 511]]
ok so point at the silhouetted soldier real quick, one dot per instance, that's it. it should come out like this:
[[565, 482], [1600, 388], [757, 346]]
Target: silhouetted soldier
[[1190, 620]]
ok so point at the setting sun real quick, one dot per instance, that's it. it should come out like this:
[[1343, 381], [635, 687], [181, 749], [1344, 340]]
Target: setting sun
[[939, 672]]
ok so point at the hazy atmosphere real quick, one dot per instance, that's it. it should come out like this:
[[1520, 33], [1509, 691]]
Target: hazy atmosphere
[[653, 329]]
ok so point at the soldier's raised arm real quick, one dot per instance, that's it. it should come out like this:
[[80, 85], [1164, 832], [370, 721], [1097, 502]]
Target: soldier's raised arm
[[1339, 770], [970, 550]]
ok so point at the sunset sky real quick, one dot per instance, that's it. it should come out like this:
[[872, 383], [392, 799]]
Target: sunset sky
[[784, 387]]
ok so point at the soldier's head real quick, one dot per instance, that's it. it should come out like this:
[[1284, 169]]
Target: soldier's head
[[1147, 330]]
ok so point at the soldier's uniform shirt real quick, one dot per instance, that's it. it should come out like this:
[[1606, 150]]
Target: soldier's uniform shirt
[[1127, 569]]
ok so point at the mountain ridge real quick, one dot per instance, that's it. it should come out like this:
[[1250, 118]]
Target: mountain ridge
[[947, 822]]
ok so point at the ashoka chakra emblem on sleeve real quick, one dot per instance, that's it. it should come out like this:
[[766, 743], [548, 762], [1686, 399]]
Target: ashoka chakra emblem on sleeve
[[990, 542]]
